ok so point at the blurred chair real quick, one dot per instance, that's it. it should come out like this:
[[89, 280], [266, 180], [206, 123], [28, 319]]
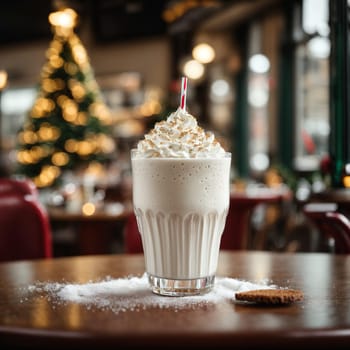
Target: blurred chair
[[242, 204], [25, 231], [24, 186], [331, 223], [132, 237]]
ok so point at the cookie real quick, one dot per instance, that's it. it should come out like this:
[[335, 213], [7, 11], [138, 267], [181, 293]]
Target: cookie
[[271, 296]]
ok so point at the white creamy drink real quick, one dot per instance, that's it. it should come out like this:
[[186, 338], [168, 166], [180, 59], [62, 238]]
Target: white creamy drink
[[181, 199]]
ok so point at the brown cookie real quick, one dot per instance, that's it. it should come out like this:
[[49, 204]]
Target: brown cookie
[[271, 296]]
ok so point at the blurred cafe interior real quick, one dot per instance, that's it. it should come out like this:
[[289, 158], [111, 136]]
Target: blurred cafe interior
[[81, 81]]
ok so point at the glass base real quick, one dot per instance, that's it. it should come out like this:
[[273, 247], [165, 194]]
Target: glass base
[[181, 288]]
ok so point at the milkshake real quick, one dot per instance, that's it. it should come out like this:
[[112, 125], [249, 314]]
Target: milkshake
[[181, 199]]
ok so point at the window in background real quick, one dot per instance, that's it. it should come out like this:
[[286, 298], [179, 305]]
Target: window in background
[[312, 85], [258, 98], [221, 103], [15, 104]]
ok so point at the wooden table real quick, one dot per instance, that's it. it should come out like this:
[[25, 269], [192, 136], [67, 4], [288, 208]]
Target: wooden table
[[340, 196], [94, 232], [322, 320]]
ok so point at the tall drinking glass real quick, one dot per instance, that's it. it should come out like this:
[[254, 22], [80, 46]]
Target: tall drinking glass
[[181, 206]]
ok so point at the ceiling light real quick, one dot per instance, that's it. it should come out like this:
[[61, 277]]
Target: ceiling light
[[193, 69], [203, 53], [259, 63], [220, 87], [65, 18], [319, 47], [259, 162]]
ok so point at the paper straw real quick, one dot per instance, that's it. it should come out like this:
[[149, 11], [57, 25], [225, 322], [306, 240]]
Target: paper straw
[[183, 93]]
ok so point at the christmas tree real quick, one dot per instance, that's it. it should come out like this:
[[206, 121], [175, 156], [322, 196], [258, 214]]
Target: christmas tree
[[69, 124]]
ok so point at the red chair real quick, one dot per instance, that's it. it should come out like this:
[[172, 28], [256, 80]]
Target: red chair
[[331, 223], [132, 237], [25, 231], [242, 205], [21, 186]]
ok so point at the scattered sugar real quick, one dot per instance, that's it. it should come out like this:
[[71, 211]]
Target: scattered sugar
[[133, 293]]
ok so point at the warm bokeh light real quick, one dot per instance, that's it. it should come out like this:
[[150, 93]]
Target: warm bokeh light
[[346, 181], [54, 139], [193, 69], [203, 53], [65, 18], [47, 176], [60, 158], [3, 79], [88, 209]]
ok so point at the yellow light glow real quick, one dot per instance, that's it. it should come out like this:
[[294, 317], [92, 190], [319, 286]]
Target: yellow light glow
[[346, 181], [88, 209], [71, 146], [100, 111], [60, 158], [70, 110], [27, 137], [56, 45], [79, 54], [47, 104], [39, 107], [48, 132], [47, 176], [95, 169], [70, 68], [48, 85], [42, 106], [144, 110], [104, 143], [24, 157], [35, 154], [107, 145], [203, 53], [85, 148], [3, 79], [193, 69], [61, 100], [46, 70], [77, 89], [51, 52], [64, 19], [38, 182], [81, 118], [51, 171], [56, 61]]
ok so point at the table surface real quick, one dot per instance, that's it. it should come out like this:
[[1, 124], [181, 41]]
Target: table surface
[[321, 320], [63, 215]]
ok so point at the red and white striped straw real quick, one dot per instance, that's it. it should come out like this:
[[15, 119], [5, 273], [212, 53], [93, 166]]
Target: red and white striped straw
[[183, 93]]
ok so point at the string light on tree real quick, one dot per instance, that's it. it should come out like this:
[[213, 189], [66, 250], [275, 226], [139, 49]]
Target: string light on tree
[[69, 123]]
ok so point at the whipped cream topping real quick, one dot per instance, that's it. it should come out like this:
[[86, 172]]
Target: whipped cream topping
[[179, 137]]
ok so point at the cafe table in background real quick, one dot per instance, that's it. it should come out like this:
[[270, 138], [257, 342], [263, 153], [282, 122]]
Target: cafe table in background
[[33, 316], [95, 231]]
